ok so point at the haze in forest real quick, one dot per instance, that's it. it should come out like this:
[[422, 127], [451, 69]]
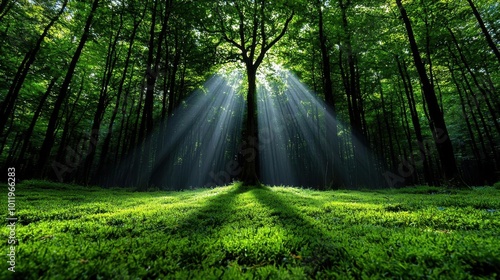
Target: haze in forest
[[179, 94]]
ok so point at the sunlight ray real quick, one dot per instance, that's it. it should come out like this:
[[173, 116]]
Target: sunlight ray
[[300, 150], [198, 140]]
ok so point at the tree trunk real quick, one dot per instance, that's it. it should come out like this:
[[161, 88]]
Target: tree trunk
[[439, 130], [332, 129], [134, 140], [486, 129], [258, 41], [474, 147], [387, 126], [22, 71], [486, 34], [111, 60], [250, 148], [107, 140], [152, 72], [68, 156], [67, 112], [173, 75], [325, 60], [48, 143], [146, 124], [5, 6], [472, 97], [476, 82], [358, 135], [415, 120], [29, 131]]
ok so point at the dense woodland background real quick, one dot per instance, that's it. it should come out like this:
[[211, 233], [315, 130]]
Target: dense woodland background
[[83, 82]]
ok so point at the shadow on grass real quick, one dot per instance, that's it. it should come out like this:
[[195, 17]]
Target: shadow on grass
[[317, 251], [213, 214]]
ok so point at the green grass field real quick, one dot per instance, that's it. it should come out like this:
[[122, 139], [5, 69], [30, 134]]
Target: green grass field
[[235, 232]]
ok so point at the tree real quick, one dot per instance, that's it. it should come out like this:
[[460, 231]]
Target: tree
[[486, 34], [438, 125], [328, 92], [123, 78], [5, 6], [251, 27], [7, 105], [137, 18], [48, 143]]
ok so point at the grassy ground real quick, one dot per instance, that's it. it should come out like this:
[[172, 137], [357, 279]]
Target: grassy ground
[[233, 232]]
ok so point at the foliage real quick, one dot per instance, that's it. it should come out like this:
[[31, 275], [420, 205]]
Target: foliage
[[244, 232]]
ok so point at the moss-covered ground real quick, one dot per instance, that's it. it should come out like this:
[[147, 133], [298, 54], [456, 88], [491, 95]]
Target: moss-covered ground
[[235, 232]]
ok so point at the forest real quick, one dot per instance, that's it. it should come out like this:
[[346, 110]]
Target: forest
[[250, 139], [368, 94], [383, 91]]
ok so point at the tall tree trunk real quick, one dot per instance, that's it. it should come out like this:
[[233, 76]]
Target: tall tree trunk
[[359, 137], [486, 129], [403, 71], [474, 147], [133, 141], [439, 129], [111, 60], [67, 112], [486, 34], [22, 71], [387, 126], [476, 82], [162, 40], [48, 143], [332, 129], [29, 132], [250, 147], [325, 60], [147, 118], [173, 75], [476, 125], [107, 140], [472, 97], [151, 77], [61, 165]]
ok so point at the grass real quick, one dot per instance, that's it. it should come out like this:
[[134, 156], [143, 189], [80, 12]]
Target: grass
[[235, 232]]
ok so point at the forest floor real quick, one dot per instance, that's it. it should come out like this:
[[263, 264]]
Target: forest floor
[[234, 232]]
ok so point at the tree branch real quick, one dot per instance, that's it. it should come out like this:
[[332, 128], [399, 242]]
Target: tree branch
[[253, 45], [242, 31], [273, 42], [262, 28]]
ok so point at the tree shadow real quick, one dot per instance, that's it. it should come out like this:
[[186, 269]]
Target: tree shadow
[[190, 234], [210, 215], [316, 250]]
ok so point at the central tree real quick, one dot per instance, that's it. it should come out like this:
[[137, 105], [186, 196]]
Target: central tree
[[251, 28]]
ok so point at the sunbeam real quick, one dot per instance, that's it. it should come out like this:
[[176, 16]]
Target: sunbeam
[[195, 144], [301, 143], [302, 151]]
